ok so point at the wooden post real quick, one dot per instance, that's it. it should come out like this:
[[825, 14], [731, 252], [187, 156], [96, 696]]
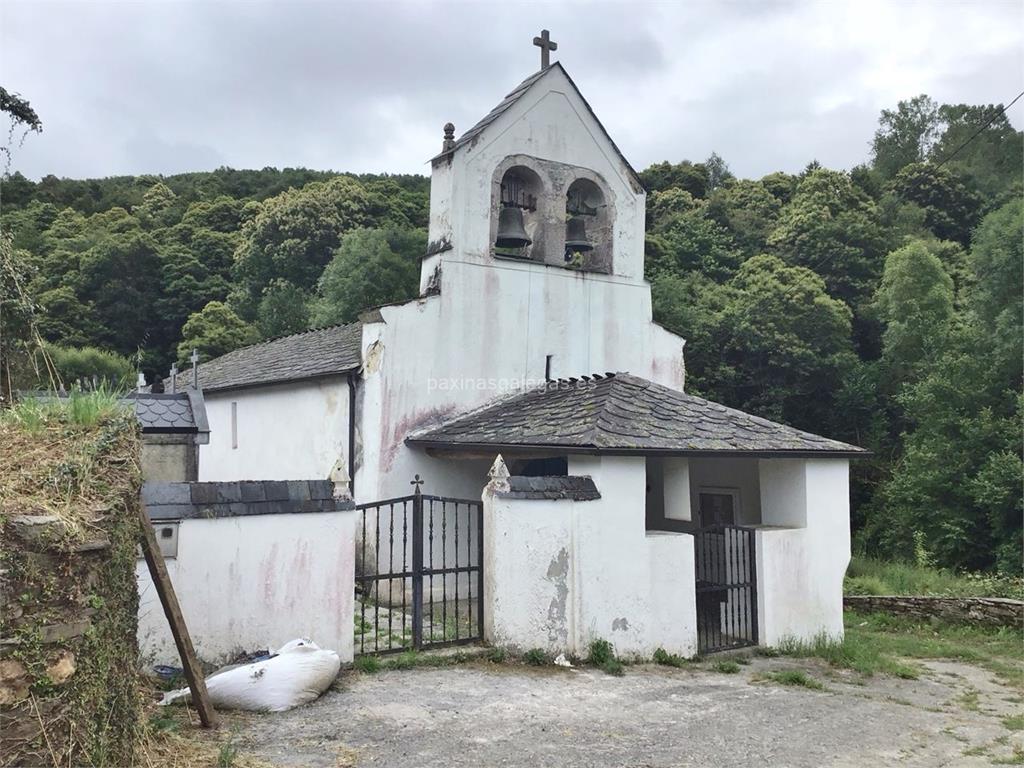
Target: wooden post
[[164, 588]]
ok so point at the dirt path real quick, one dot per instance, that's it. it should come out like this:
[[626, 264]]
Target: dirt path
[[487, 715]]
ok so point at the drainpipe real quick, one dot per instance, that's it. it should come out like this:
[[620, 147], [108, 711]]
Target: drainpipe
[[352, 433]]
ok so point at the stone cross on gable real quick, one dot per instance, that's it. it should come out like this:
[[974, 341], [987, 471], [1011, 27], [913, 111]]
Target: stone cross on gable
[[546, 45]]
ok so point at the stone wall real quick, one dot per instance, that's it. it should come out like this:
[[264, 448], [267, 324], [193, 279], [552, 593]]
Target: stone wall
[[989, 611], [68, 603]]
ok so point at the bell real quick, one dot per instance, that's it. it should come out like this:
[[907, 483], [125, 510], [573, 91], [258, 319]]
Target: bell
[[576, 236], [511, 233]]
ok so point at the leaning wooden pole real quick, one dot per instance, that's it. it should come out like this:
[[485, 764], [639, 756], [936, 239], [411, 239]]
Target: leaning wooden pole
[[164, 588]]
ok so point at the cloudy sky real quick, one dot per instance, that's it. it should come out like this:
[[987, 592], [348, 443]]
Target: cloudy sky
[[166, 87]]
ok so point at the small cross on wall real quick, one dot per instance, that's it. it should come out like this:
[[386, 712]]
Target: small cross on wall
[[546, 45]]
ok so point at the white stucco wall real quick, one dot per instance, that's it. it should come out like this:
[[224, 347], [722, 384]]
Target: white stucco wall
[[252, 582], [293, 431], [800, 569], [559, 574]]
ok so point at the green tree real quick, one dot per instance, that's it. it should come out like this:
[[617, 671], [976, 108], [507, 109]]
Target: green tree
[[905, 135], [951, 208], [283, 309], [993, 158], [371, 267], [915, 302], [214, 331], [83, 363], [685, 175], [294, 234], [784, 345], [832, 227], [690, 240], [119, 279], [957, 483], [748, 211]]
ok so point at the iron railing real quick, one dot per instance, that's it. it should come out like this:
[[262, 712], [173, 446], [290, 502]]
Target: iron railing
[[419, 580], [726, 574]]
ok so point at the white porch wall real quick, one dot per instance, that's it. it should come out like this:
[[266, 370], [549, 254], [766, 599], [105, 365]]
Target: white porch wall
[[559, 574], [800, 569], [285, 432], [253, 582], [725, 472], [676, 473]]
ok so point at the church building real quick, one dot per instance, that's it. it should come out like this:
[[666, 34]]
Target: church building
[[529, 372]]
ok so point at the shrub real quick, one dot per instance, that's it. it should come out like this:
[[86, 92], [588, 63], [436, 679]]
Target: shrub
[[536, 657], [663, 657], [601, 652], [794, 677], [496, 655], [369, 664], [613, 667], [727, 666]]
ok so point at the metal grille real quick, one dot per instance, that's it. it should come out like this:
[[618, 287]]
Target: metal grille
[[419, 579], [726, 588]]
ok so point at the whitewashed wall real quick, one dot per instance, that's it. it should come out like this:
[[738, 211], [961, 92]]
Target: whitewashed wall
[[558, 574], [285, 431], [800, 568], [252, 582]]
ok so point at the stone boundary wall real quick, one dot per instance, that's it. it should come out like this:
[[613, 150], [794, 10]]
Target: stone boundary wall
[[181, 501], [990, 611]]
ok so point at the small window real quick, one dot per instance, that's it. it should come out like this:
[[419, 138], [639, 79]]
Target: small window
[[234, 425]]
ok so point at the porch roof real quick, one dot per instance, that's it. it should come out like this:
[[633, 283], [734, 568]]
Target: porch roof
[[622, 414]]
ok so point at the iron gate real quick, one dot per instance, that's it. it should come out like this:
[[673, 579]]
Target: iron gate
[[726, 588], [419, 575]]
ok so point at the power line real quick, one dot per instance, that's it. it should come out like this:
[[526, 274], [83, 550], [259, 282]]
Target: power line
[[829, 256], [978, 132]]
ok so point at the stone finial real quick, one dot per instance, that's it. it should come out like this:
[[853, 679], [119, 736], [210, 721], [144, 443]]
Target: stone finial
[[449, 137], [342, 482], [140, 382], [499, 476]]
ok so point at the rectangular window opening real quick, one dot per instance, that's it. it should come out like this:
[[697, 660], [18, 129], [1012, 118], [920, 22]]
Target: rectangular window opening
[[234, 425]]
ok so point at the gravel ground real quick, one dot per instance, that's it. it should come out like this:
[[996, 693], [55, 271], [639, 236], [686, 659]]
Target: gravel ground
[[478, 714]]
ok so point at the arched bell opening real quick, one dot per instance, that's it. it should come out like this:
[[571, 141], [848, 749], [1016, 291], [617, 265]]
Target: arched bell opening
[[517, 231], [588, 231]]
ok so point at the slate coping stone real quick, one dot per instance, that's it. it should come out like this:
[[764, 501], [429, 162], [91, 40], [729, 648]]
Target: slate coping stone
[[276, 490], [298, 490], [166, 493]]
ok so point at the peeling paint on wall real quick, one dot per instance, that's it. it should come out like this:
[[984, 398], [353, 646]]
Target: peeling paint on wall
[[558, 574], [374, 357]]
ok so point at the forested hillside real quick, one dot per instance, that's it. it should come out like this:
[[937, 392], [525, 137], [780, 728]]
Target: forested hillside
[[882, 306]]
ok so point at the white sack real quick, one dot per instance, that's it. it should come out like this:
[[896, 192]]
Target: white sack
[[297, 675]]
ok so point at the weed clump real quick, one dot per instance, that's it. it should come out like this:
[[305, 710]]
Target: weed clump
[[536, 657]]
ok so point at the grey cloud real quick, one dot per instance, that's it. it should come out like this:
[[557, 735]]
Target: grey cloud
[[171, 87]]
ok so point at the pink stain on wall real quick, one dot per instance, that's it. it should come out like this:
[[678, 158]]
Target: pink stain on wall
[[268, 574]]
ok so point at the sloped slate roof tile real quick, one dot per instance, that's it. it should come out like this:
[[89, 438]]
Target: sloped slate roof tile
[[306, 355], [621, 412], [163, 412]]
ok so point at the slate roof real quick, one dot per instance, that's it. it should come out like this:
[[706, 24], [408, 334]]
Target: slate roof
[[517, 93], [163, 412], [621, 413], [306, 355], [578, 488]]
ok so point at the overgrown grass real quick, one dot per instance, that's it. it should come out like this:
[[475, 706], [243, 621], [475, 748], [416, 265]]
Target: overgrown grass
[[83, 409], [727, 666], [795, 677], [868, 576], [536, 657], [1014, 723], [663, 657], [368, 664], [602, 655], [881, 643]]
